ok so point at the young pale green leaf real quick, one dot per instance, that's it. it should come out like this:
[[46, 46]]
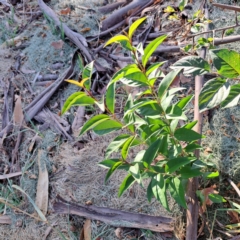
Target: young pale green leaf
[[117, 39], [149, 192], [171, 91], [227, 62], [209, 175], [151, 47], [153, 69], [112, 169], [182, 4], [192, 65], [77, 99], [174, 124], [107, 126], [93, 122], [87, 73], [116, 144], [159, 190], [233, 97], [127, 144], [127, 183], [134, 26], [166, 82], [190, 125], [216, 198], [184, 102], [213, 93], [110, 97], [177, 192], [135, 171], [108, 163], [187, 135], [176, 163]]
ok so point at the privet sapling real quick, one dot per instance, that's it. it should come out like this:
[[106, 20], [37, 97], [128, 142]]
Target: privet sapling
[[151, 118]]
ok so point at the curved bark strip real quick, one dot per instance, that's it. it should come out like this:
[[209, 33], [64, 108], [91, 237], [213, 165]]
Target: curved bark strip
[[116, 217], [120, 14], [75, 37]]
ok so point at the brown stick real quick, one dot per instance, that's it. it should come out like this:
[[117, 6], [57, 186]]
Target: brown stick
[[115, 217], [192, 206], [110, 7], [225, 6]]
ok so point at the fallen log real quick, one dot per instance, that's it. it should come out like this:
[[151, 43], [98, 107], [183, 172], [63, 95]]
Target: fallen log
[[114, 217]]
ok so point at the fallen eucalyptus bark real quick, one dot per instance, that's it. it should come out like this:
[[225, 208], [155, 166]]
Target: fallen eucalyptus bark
[[111, 7], [115, 217]]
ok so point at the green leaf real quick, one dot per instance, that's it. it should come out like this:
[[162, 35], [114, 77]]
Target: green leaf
[[112, 169], [177, 192], [127, 183], [116, 144], [187, 135], [233, 97], [175, 163], [192, 147], [175, 112], [216, 198], [130, 75], [153, 69], [110, 97], [213, 93], [151, 109], [184, 101], [192, 65], [109, 163], [166, 82], [187, 172], [135, 171], [182, 4], [87, 73], [77, 99], [107, 126], [163, 147], [134, 26], [227, 62], [93, 122], [159, 190], [127, 144], [151, 47], [117, 39], [151, 153], [149, 192], [190, 125]]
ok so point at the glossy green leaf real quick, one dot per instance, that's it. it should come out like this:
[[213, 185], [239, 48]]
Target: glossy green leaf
[[135, 171], [151, 153], [77, 99], [192, 65], [175, 163], [151, 47], [134, 26], [233, 97], [112, 169], [125, 148], [87, 74], [116, 144], [93, 122], [187, 135], [108, 163], [187, 172], [192, 147], [213, 93], [149, 192], [190, 125], [150, 109], [127, 183], [175, 112], [153, 69], [209, 175], [184, 102], [177, 192], [110, 97], [117, 39], [216, 198], [107, 126], [163, 147], [166, 82], [227, 62], [159, 190]]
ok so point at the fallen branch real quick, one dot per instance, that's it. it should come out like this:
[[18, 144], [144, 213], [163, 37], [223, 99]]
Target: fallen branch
[[115, 217], [225, 6]]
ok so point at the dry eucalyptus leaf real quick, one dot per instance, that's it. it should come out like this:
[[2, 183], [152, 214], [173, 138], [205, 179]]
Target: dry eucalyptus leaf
[[42, 185], [18, 116], [58, 44]]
